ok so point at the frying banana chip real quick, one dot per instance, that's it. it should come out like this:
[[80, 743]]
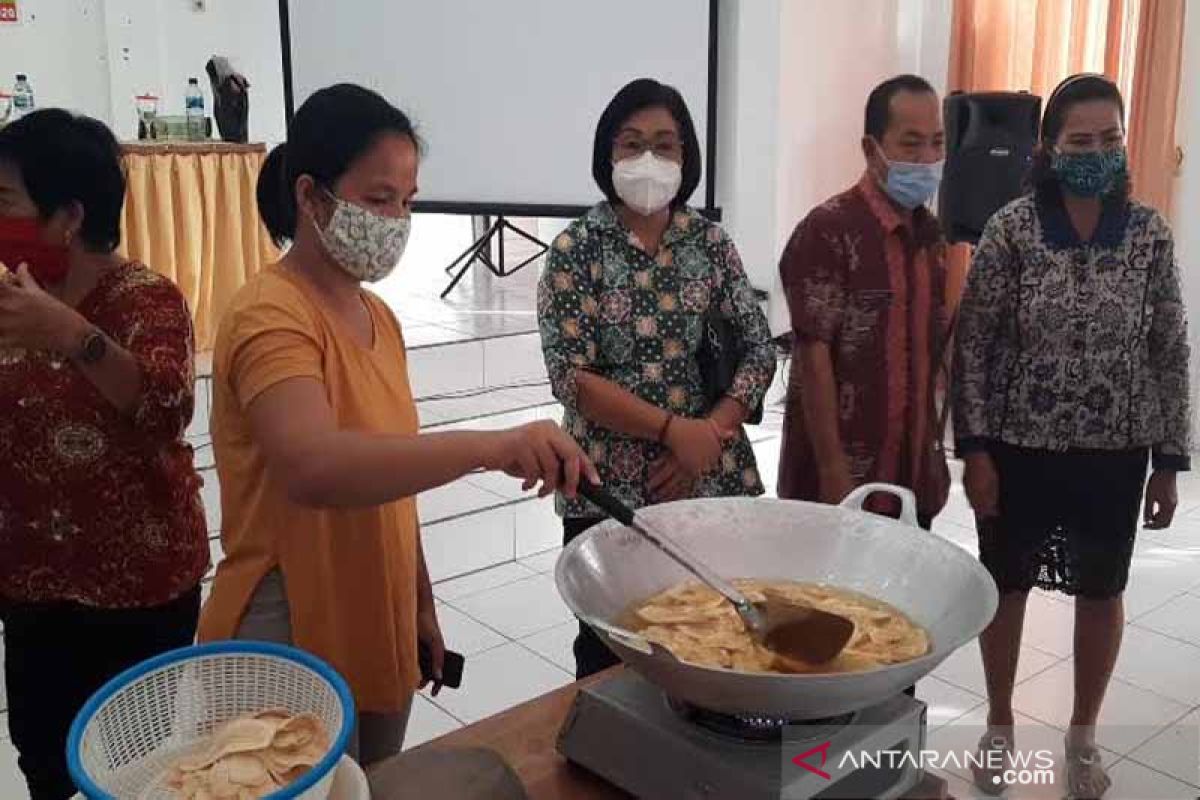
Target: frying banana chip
[[699, 626]]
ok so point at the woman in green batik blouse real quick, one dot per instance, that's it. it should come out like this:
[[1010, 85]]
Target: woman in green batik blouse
[[622, 307]]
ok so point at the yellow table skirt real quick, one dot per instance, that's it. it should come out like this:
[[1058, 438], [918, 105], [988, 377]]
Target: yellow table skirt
[[191, 214]]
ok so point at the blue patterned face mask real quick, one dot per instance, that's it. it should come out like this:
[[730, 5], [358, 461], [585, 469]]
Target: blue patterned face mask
[[1090, 174], [912, 185]]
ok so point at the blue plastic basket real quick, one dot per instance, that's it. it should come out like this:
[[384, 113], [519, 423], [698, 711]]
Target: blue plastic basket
[[127, 736]]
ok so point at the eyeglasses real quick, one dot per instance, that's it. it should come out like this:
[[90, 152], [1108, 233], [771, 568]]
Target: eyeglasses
[[632, 147]]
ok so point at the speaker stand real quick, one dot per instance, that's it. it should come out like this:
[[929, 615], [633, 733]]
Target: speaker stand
[[480, 250]]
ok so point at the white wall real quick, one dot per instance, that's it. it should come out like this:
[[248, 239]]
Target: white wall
[[795, 76], [1186, 205], [822, 97], [748, 132], [246, 31], [95, 56], [60, 44], [924, 28], [156, 45]]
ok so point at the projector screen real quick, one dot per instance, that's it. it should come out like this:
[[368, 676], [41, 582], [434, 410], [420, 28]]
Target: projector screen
[[506, 93]]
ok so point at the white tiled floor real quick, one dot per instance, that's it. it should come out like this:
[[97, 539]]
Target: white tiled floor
[[1131, 716], [1163, 665], [469, 543], [964, 668], [538, 529], [498, 679], [556, 644], [469, 636], [455, 500], [458, 588], [545, 562], [947, 702], [428, 721], [1132, 780], [1173, 751], [1179, 619], [518, 609]]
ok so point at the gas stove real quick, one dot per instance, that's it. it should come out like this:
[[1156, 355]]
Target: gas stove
[[628, 732]]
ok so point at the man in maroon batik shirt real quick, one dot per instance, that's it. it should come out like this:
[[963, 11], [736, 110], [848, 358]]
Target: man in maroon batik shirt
[[865, 280]]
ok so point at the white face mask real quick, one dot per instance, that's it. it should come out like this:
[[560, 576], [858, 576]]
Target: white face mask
[[647, 183], [366, 245]]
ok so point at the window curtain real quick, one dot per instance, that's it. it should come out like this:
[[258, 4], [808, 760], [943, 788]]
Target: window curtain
[[1031, 45], [1156, 76]]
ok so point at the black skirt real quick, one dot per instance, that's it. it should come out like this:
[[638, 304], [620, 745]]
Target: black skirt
[[1067, 520]]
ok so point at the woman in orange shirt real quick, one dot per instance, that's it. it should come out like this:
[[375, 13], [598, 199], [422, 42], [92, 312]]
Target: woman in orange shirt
[[315, 429]]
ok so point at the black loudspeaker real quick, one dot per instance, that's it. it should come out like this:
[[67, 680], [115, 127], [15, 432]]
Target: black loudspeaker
[[990, 137]]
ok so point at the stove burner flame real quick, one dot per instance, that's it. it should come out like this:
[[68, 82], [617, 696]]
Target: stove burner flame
[[759, 728]]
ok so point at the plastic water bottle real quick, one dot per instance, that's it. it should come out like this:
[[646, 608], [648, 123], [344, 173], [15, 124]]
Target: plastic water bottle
[[22, 97], [194, 105]]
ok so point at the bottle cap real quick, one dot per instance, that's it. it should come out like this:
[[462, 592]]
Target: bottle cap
[[21, 76], [194, 80]]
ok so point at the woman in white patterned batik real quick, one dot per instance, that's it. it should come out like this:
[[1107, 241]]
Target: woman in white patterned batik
[[1071, 377]]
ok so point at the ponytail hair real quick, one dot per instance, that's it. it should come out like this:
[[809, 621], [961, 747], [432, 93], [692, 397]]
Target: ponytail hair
[[330, 131], [278, 215]]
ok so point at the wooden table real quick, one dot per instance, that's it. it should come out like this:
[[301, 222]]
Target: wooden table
[[212, 146], [526, 736]]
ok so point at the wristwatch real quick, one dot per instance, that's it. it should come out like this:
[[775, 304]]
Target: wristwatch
[[92, 349]]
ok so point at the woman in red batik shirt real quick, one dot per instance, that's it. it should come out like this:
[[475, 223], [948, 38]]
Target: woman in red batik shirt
[[102, 534]]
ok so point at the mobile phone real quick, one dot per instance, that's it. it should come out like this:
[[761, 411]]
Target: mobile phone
[[452, 667]]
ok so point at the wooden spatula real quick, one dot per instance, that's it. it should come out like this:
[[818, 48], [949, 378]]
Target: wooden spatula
[[793, 631], [798, 632]]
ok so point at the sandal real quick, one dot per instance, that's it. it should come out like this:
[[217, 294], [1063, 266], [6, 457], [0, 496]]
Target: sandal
[[1086, 777], [988, 780]]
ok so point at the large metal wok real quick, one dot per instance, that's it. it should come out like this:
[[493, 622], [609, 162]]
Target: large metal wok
[[941, 586]]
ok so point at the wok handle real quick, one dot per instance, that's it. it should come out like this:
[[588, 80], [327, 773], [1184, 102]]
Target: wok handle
[[606, 502], [622, 513], [856, 500]]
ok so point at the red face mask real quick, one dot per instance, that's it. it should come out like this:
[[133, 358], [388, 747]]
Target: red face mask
[[21, 243]]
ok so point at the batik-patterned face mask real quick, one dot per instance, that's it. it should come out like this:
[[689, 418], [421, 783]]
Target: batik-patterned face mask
[[368, 246], [1091, 174]]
